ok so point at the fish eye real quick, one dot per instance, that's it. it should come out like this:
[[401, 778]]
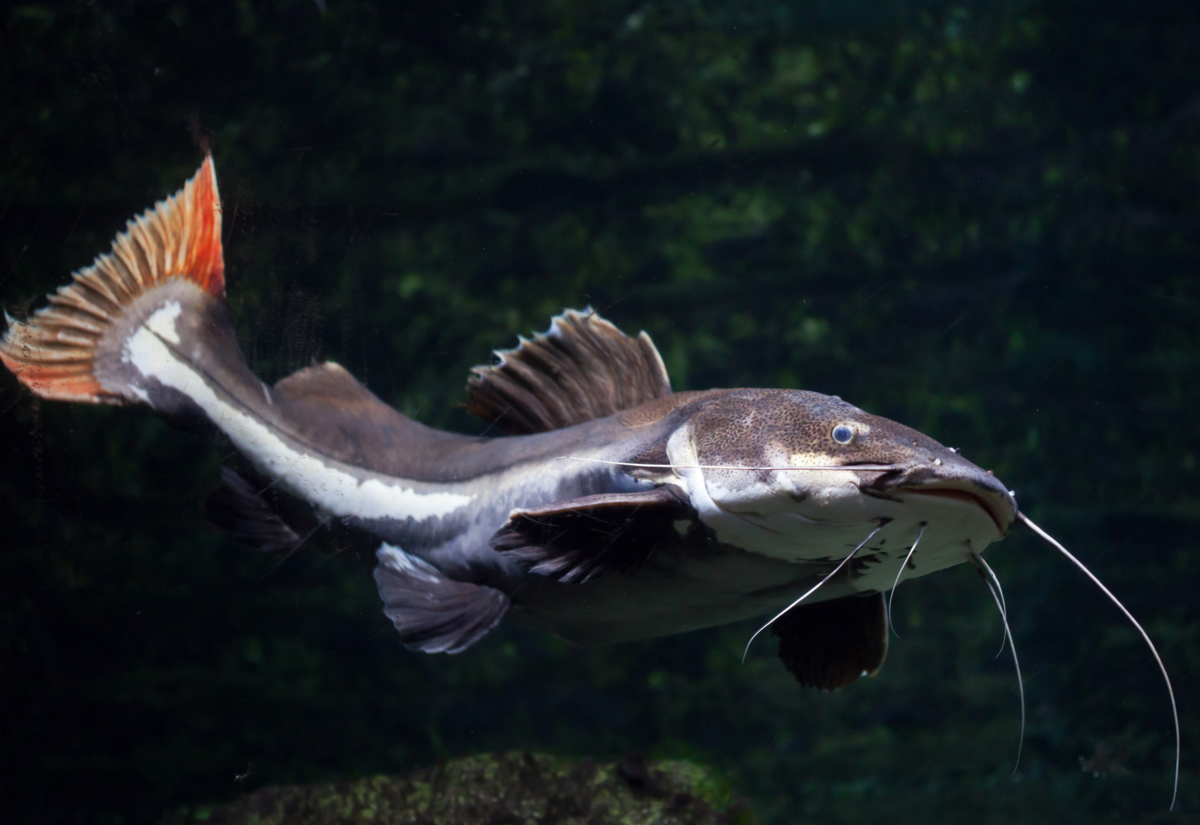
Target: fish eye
[[842, 434]]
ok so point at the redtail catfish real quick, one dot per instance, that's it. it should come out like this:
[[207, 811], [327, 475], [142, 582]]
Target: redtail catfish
[[614, 509]]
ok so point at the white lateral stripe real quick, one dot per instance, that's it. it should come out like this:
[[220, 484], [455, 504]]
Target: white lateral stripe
[[162, 322], [339, 492]]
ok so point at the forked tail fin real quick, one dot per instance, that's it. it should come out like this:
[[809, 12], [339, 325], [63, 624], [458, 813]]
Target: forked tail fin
[[70, 350]]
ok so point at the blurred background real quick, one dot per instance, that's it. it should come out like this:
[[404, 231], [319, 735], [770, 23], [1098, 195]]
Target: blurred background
[[978, 219]]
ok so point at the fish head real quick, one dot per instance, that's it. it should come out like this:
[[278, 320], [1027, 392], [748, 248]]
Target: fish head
[[754, 463]]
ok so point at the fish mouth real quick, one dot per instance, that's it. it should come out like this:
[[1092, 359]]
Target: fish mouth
[[999, 508]]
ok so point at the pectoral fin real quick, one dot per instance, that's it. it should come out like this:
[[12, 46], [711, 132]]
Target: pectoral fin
[[830, 644], [577, 540]]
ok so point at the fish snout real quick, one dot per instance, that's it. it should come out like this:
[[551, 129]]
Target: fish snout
[[950, 476]]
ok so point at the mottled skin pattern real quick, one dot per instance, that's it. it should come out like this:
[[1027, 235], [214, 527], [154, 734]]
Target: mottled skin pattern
[[751, 427], [732, 561], [772, 428]]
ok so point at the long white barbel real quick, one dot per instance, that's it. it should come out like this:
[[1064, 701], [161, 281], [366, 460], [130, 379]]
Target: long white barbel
[[877, 467], [993, 585], [900, 573], [1145, 636], [1006, 636], [815, 587]]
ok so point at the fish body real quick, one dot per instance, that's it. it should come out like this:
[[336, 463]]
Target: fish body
[[615, 509]]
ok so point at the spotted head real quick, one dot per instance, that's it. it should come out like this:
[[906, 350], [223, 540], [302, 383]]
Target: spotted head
[[790, 474]]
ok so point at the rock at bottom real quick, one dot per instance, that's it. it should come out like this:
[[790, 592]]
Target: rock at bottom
[[503, 789]]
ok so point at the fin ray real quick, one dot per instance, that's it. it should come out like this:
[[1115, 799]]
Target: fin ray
[[179, 238], [581, 539], [238, 510], [581, 369], [432, 612]]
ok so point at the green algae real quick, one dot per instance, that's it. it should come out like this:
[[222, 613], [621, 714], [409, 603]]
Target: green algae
[[500, 789]]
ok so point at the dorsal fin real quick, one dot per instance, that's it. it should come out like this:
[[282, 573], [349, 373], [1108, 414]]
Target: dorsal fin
[[581, 369]]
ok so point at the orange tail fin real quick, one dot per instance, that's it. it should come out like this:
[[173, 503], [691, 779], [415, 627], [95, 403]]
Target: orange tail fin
[[52, 352]]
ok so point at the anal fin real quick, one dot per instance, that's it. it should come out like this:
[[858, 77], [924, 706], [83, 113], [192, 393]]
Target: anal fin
[[432, 612], [237, 509], [830, 644], [251, 509]]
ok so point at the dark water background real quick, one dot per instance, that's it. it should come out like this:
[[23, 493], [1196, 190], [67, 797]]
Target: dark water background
[[981, 221]]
